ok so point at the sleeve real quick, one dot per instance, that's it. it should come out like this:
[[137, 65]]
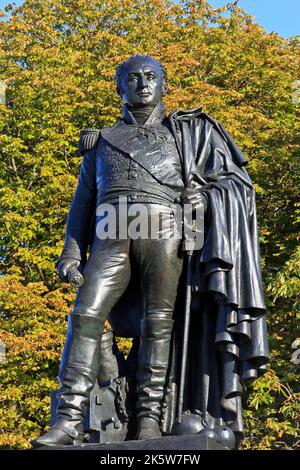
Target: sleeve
[[82, 209]]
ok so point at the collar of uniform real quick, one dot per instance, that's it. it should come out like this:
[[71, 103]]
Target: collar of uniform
[[155, 117]]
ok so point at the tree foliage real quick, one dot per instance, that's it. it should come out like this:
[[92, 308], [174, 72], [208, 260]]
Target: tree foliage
[[58, 58]]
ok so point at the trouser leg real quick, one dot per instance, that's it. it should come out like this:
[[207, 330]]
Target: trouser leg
[[106, 275], [160, 268]]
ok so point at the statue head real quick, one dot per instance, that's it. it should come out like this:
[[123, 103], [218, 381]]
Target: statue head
[[141, 81]]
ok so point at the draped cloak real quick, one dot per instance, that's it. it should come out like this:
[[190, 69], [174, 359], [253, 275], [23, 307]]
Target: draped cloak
[[228, 344]]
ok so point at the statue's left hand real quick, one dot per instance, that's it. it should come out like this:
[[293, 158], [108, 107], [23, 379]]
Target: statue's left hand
[[195, 197]]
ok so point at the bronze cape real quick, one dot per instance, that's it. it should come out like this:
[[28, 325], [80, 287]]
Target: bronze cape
[[228, 344]]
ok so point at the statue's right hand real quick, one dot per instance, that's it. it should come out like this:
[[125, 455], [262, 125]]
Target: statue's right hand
[[64, 266]]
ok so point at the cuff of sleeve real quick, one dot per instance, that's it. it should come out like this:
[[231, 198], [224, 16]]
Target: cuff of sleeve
[[69, 255]]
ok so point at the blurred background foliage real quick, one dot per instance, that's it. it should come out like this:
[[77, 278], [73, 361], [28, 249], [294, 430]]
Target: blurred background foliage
[[57, 59]]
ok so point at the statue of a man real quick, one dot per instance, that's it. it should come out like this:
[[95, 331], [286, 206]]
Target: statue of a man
[[159, 161]]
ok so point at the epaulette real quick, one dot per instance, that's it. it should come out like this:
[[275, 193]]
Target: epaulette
[[88, 139]]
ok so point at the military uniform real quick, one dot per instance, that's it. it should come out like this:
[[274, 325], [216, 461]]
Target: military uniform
[[141, 164]]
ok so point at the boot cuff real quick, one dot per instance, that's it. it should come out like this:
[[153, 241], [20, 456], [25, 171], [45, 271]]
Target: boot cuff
[[157, 326]]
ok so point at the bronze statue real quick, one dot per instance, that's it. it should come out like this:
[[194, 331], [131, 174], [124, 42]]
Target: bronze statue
[[161, 161]]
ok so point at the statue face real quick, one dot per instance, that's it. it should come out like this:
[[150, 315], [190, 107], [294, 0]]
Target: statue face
[[142, 83]]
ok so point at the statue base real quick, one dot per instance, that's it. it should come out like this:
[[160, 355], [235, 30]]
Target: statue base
[[178, 443]]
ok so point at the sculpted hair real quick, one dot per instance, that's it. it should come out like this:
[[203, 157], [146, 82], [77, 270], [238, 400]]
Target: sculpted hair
[[121, 67]]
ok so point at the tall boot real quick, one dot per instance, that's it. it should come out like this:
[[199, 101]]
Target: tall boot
[[78, 371], [152, 373]]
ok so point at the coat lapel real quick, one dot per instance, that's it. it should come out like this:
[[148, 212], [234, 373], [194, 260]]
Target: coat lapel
[[129, 140], [134, 139]]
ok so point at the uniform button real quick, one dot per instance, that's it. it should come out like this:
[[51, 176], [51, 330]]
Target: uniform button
[[134, 165], [133, 197], [134, 174]]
